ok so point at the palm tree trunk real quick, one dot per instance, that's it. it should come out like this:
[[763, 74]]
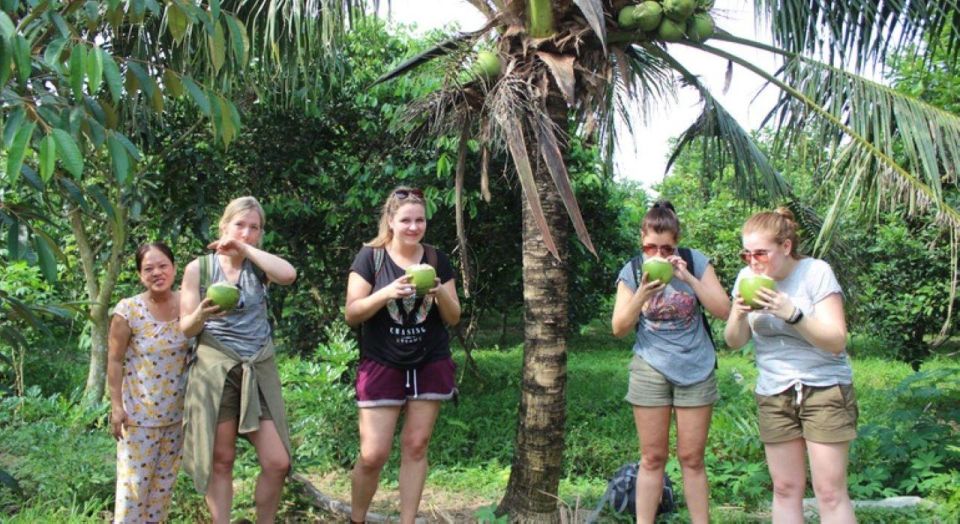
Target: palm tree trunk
[[535, 473]]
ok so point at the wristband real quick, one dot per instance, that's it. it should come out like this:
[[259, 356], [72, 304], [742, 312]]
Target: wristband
[[795, 317]]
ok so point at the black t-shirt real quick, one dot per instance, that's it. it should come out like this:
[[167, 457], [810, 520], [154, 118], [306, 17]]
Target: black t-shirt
[[406, 332]]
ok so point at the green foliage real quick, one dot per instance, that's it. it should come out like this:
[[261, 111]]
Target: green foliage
[[895, 273], [325, 379], [903, 287], [36, 428], [904, 445], [322, 194]]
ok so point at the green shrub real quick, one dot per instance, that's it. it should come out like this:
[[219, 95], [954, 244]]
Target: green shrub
[[902, 291]]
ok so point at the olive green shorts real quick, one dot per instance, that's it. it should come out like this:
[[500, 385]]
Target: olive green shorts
[[230, 400], [649, 388], [823, 414]]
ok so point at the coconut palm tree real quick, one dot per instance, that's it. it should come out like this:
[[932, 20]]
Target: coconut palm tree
[[550, 67]]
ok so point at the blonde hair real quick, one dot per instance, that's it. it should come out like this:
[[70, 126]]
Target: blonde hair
[[779, 224], [390, 207], [241, 205]]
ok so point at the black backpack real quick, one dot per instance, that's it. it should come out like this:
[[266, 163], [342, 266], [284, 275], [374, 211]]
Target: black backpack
[[621, 494], [636, 264]]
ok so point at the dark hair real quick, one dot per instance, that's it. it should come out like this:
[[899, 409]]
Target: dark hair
[[661, 218], [780, 224], [147, 246]]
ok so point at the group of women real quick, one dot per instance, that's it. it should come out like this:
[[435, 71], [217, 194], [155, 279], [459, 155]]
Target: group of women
[[804, 391], [186, 379]]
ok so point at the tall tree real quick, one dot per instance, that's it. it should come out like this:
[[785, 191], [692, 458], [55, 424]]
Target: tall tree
[[543, 62], [83, 85]]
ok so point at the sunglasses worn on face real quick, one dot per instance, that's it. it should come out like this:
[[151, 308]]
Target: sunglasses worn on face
[[664, 250], [404, 193], [760, 255]]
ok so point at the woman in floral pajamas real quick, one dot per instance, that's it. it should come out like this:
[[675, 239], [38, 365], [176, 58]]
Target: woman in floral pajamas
[[146, 373]]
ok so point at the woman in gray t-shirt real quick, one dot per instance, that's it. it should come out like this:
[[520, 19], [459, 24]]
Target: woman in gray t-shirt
[[804, 388], [673, 365]]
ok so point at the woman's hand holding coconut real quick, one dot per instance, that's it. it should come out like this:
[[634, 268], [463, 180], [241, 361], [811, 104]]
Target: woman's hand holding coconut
[[648, 289], [681, 271], [400, 288], [777, 303]]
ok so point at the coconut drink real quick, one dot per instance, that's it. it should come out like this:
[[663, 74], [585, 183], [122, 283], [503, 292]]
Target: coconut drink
[[658, 268], [423, 277], [224, 294], [749, 286]]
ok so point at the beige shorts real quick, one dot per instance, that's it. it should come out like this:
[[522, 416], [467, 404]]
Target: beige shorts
[[827, 415], [649, 388], [230, 400]]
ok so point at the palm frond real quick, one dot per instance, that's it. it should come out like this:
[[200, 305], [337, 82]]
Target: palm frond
[[446, 47], [513, 129], [553, 158], [883, 147], [725, 140], [593, 11], [859, 33], [629, 86]]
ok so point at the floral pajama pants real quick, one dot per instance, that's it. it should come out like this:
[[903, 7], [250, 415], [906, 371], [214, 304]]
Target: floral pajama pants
[[147, 463]]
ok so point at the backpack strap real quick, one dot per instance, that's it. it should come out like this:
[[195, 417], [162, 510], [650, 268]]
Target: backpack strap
[[206, 272], [687, 255], [377, 253], [635, 267], [431, 254]]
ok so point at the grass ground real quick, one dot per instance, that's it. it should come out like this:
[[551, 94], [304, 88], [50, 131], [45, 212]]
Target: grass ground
[[472, 445]]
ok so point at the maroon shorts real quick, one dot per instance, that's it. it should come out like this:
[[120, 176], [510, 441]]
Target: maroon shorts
[[380, 385]]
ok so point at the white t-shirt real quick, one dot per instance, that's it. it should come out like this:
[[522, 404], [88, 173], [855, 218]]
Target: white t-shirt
[[784, 357]]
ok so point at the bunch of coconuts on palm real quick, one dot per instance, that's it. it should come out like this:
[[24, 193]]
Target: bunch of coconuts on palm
[[669, 20]]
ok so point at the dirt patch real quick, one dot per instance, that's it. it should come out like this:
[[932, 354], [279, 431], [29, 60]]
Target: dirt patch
[[436, 505]]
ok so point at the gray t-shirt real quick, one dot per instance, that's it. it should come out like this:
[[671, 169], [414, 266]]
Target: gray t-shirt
[[784, 357], [246, 328], [671, 336]]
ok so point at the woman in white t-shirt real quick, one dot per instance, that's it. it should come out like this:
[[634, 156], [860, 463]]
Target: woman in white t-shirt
[[804, 392]]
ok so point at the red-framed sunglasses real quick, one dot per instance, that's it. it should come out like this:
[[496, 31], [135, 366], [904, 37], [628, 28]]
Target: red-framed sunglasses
[[404, 193], [652, 249], [760, 255]]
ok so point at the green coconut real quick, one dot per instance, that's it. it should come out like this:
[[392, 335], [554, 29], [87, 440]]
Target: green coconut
[[678, 10], [488, 64], [423, 277], [649, 14], [658, 268], [749, 286], [670, 31], [628, 18], [224, 294], [700, 27]]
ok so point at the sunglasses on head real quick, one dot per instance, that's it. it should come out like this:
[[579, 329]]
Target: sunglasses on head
[[664, 250], [404, 193], [760, 255]]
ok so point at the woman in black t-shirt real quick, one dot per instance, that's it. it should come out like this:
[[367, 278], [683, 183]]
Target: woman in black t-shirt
[[405, 361]]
